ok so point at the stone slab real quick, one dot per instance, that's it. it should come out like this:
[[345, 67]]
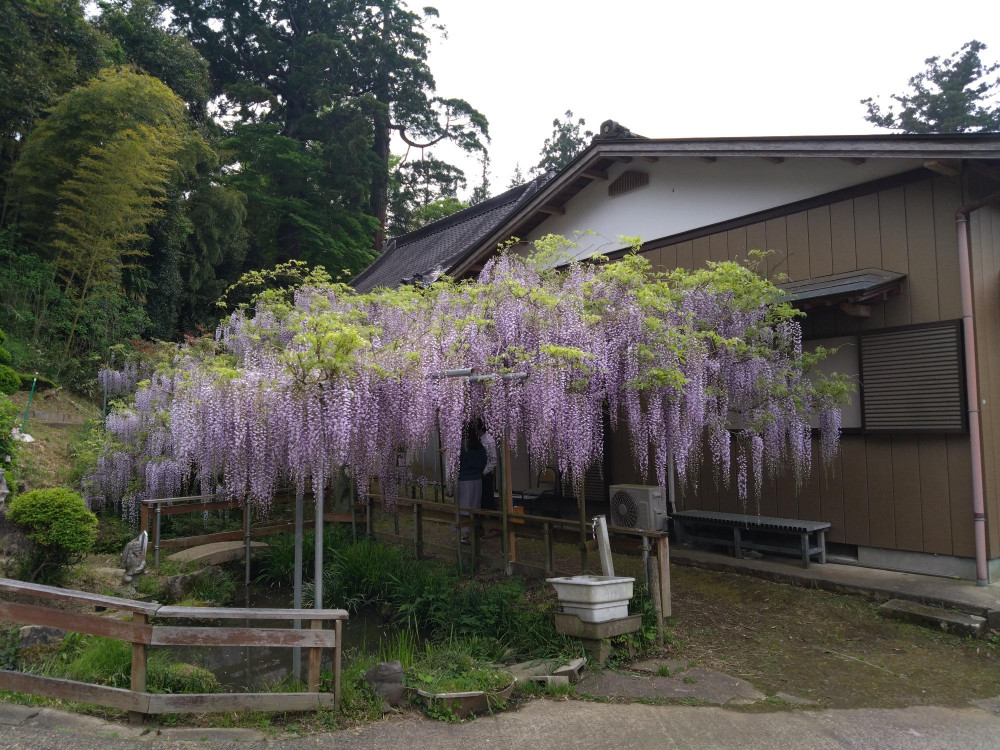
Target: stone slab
[[674, 666], [795, 700], [527, 670], [933, 617], [12, 714], [573, 626], [217, 553], [194, 734], [53, 719], [698, 684]]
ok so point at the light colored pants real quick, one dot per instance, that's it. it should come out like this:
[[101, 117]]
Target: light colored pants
[[470, 495]]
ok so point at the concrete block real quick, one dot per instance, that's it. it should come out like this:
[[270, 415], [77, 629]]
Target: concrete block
[[572, 625], [933, 617], [572, 670]]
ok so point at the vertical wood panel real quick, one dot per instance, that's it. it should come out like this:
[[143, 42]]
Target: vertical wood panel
[[775, 233], [797, 232], [653, 256], [668, 259], [923, 282], [685, 255], [855, 460], [993, 516], [960, 491], [935, 499], [831, 496], [757, 240], [882, 516], [892, 228], [868, 246], [809, 500], [718, 247], [787, 499], [700, 252], [947, 199], [820, 241], [736, 240], [768, 503], [842, 245], [906, 493]]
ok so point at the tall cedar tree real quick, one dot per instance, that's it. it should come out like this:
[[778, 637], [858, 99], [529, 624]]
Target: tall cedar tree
[[953, 95], [567, 140], [315, 68]]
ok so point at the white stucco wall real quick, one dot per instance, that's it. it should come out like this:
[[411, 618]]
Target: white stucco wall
[[685, 193]]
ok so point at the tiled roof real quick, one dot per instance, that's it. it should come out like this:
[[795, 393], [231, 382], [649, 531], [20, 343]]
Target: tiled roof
[[435, 248]]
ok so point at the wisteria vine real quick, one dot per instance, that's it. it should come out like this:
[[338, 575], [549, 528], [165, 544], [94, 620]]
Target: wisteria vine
[[320, 379]]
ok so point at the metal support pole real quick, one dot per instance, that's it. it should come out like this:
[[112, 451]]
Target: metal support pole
[[458, 532], [604, 545], [369, 518], [582, 501], [318, 562], [246, 542], [156, 538], [297, 581], [547, 538], [418, 531]]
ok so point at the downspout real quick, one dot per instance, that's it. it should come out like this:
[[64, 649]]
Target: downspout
[[972, 385]]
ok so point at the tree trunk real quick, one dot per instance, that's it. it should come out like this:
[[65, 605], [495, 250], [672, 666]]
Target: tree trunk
[[381, 143]]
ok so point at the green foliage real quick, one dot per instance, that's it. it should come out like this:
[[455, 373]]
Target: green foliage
[[61, 527], [425, 596], [41, 382], [421, 191], [8, 446], [953, 95], [113, 533], [10, 381], [451, 668], [106, 661], [567, 140]]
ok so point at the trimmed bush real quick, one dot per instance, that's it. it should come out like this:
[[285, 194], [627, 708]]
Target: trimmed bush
[[60, 525], [10, 381], [5, 358]]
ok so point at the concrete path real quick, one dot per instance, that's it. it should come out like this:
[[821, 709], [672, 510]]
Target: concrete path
[[575, 725]]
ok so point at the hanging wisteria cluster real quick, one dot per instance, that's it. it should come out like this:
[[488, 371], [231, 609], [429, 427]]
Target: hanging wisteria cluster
[[700, 365]]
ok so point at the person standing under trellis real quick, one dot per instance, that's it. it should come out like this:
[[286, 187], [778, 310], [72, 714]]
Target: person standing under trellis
[[471, 465]]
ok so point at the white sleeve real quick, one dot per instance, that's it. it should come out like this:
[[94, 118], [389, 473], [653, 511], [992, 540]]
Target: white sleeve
[[491, 453]]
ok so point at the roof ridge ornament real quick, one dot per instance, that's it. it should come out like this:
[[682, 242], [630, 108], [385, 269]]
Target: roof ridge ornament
[[611, 130]]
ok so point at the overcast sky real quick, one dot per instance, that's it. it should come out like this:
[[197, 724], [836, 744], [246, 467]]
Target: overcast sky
[[676, 69]]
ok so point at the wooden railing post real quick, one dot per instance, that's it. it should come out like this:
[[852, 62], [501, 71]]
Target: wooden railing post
[[369, 519], [338, 630], [547, 534], [663, 565], [418, 531], [138, 681], [312, 680]]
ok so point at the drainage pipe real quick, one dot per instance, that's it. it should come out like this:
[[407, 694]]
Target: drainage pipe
[[972, 385]]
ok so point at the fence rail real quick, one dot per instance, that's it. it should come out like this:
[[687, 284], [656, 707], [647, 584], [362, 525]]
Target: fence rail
[[142, 634]]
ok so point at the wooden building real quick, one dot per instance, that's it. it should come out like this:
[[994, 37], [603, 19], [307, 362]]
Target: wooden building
[[868, 232]]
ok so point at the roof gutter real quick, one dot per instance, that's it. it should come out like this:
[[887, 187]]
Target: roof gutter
[[972, 384]]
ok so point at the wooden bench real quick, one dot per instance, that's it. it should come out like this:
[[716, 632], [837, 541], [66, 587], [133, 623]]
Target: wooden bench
[[687, 520]]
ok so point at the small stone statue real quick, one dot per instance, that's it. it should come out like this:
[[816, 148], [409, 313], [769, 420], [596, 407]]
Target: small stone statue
[[133, 558]]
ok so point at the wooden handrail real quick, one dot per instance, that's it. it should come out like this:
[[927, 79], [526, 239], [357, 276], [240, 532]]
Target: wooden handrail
[[142, 634]]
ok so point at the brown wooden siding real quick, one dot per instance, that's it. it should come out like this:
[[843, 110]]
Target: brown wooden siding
[[897, 491]]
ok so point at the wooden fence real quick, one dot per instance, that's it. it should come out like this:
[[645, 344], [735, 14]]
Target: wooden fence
[[653, 546], [142, 634]]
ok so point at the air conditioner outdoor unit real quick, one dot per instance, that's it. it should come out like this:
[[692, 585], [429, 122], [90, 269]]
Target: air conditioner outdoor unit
[[638, 506]]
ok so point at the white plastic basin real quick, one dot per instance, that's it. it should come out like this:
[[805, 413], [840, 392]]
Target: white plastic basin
[[592, 589]]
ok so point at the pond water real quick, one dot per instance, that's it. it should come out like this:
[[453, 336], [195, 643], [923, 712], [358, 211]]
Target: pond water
[[247, 668]]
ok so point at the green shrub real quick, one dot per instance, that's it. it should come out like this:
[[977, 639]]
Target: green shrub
[[41, 384], [113, 533], [10, 381], [5, 358], [60, 525]]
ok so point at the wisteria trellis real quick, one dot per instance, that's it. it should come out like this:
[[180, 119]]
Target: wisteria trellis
[[323, 379]]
